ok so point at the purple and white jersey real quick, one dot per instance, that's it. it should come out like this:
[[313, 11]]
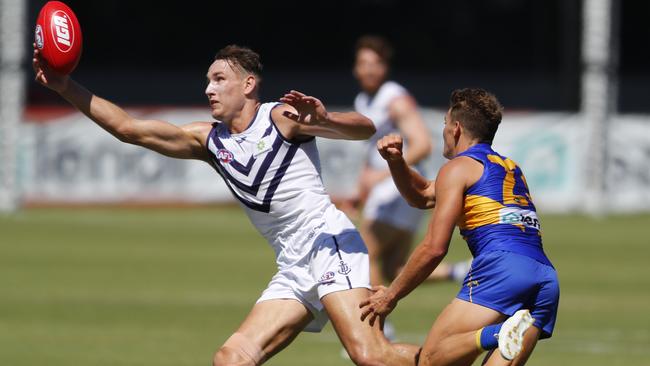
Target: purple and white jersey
[[278, 183], [376, 107]]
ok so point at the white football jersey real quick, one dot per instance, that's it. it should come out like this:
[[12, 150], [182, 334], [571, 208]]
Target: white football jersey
[[278, 183], [376, 107]]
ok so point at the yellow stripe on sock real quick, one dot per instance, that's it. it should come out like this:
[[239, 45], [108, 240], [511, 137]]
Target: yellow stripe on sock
[[478, 340]]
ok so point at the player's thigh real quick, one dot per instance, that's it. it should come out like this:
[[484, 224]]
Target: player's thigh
[[530, 341], [460, 317], [343, 310], [273, 324]]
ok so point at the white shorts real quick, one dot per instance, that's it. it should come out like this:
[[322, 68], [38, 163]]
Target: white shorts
[[385, 204], [337, 263]]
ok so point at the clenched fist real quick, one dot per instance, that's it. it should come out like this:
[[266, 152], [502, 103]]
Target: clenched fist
[[390, 147]]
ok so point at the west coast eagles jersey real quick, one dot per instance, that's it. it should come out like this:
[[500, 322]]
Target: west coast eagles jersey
[[498, 211], [278, 183]]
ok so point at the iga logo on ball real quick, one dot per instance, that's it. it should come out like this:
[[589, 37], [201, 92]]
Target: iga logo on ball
[[58, 36], [62, 33]]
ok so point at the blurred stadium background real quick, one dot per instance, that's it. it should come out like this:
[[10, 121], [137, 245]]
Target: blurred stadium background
[[83, 283]]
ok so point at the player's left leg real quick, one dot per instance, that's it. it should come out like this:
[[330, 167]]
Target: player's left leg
[[531, 337], [452, 339], [544, 304], [269, 327], [365, 344], [498, 280]]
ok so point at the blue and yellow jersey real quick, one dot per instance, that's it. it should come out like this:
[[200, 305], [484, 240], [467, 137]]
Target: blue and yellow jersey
[[498, 211]]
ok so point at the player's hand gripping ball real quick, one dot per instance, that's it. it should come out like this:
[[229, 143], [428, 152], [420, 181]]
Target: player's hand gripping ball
[[58, 37]]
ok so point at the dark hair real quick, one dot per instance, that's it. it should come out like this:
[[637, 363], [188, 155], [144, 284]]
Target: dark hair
[[378, 44], [478, 111], [243, 57]]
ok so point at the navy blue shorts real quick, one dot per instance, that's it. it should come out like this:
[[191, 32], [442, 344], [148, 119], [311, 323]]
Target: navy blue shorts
[[507, 282]]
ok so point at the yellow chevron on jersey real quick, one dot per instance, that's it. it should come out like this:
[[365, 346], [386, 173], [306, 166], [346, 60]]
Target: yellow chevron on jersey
[[479, 211]]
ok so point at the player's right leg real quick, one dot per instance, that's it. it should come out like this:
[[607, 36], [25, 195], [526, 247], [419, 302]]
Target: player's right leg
[[269, 327], [365, 344], [343, 259]]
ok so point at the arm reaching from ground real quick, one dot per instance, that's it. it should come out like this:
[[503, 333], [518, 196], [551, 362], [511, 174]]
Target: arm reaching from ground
[[185, 142], [418, 191]]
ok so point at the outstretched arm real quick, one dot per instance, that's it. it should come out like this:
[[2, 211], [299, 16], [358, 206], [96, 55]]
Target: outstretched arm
[[306, 116], [425, 258], [417, 191], [186, 142]]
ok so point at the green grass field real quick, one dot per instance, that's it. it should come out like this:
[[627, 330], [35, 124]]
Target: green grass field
[[168, 286]]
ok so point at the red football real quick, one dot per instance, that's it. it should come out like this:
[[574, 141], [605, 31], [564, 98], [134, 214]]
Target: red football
[[58, 36]]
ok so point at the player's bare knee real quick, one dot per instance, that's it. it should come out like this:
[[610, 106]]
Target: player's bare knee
[[428, 358], [365, 355], [238, 350], [228, 357], [432, 354]]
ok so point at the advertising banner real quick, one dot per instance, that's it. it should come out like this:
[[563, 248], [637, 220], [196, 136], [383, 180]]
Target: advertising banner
[[71, 160]]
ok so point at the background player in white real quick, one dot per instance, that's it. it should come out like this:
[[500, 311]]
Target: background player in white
[[267, 155], [389, 224]]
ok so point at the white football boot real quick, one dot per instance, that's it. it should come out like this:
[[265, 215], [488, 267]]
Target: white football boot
[[511, 335]]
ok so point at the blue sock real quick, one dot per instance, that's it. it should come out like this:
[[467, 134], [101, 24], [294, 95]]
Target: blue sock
[[488, 337]]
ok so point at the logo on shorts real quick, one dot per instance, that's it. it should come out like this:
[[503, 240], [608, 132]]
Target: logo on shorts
[[224, 156], [327, 277], [313, 231], [344, 269]]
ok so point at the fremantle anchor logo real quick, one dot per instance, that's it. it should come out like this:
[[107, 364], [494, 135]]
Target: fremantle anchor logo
[[344, 269]]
